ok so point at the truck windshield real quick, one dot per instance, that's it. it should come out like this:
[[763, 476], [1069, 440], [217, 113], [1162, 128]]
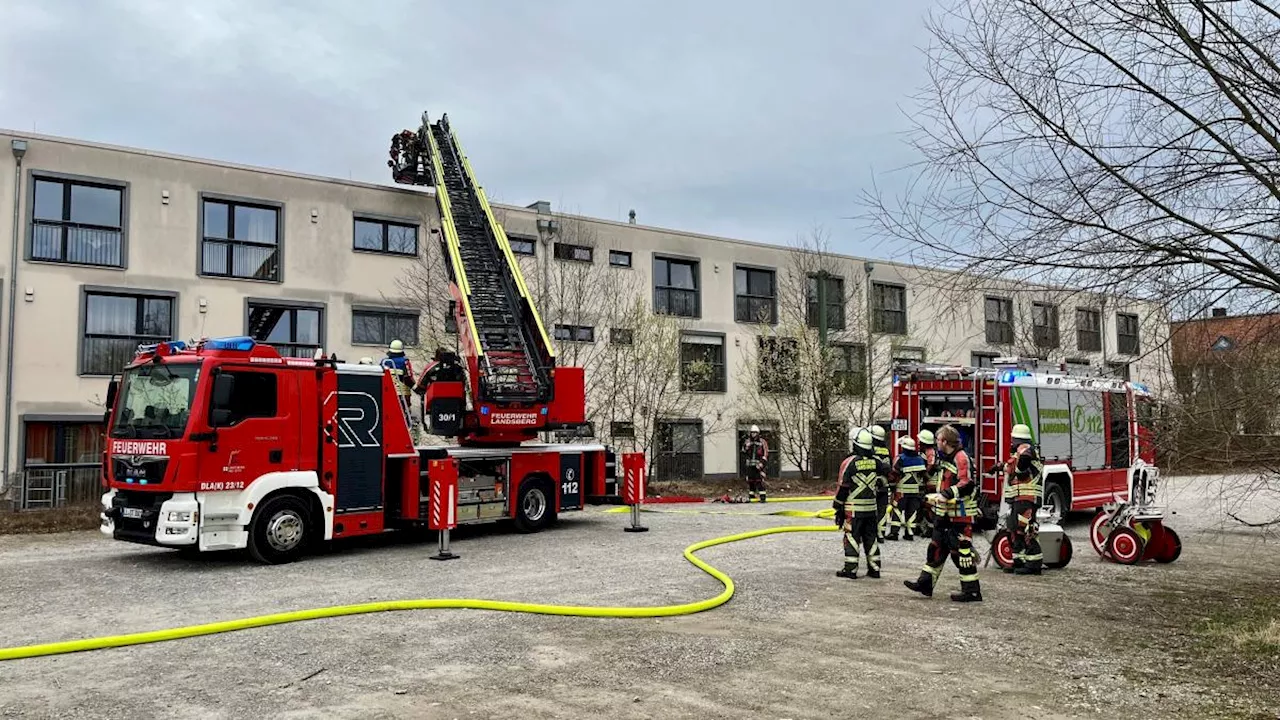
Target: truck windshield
[[155, 401]]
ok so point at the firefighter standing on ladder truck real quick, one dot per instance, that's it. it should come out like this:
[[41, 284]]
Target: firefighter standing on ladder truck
[[401, 377], [954, 507], [1023, 487], [862, 475], [883, 510]]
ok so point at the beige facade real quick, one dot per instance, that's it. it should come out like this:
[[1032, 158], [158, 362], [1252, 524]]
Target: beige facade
[[194, 245]]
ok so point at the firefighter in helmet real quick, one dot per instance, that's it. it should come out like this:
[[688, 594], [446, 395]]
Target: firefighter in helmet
[[908, 478], [954, 507], [862, 474], [1023, 488], [755, 453], [445, 367], [401, 376], [926, 445], [884, 512]]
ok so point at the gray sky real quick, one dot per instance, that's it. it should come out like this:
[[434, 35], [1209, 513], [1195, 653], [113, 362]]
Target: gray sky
[[734, 118]]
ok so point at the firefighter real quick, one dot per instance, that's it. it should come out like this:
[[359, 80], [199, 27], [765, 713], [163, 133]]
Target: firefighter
[[954, 507], [401, 376], [908, 477], [883, 510], [445, 367], [1023, 475], [925, 445], [755, 452], [861, 476]]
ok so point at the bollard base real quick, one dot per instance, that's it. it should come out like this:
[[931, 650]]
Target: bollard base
[[635, 528], [446, 555]]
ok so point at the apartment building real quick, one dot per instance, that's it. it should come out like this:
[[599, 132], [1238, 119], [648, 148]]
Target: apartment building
[[110, 247]]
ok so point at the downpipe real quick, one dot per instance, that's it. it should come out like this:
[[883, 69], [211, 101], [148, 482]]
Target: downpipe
[[19, 148]]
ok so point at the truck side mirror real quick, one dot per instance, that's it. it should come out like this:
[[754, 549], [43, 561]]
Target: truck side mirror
[[113, 388], [220, 417]]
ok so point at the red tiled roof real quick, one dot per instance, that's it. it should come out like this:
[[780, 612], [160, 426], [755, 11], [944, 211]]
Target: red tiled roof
[[1194, 339]]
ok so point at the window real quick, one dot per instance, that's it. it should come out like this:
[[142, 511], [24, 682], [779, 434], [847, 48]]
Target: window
[[906, 355], [622, 430], [702, 362], [1127, 333], [380, 327], [679, 450], [575, 333], [115, 324], [384, 236], [850, 369], [889, 309], [999, 315], [1088, 330], [580, 253], [1044, 325], [521, 245], [835, 302], [675, 287], [252, 396], [755, 296], [622, 336], [982, 360], [778, 371], [77, 222], [451, 317], [620, 258], [293, 331], [240, 240], [61, 464], [1119, 370]]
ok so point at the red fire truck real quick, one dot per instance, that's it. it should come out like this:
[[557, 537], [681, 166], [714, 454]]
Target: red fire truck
[[1093, 432], [226, 444]]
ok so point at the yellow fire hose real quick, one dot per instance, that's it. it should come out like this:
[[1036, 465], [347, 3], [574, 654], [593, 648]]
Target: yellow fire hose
[[154, 636]]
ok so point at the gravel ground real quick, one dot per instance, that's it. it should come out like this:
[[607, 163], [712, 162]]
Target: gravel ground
[[795, 642]]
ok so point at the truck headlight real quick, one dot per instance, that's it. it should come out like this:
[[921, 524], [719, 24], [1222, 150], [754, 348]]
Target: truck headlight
[[180, 516]]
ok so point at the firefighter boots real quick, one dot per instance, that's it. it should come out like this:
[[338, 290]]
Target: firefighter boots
[[922, 585], [873, 574], [850, 573], [969, 592]]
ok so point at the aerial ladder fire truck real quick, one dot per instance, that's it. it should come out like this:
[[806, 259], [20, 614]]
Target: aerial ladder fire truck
[[226, 444]]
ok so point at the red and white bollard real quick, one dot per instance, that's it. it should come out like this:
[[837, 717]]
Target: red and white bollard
[[633, 487], [442, 479]]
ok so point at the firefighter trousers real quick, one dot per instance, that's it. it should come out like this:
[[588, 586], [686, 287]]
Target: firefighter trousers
[[1024, 534], [882, 514], [861, 531], [755, 483], [908, 515], [954, 539]]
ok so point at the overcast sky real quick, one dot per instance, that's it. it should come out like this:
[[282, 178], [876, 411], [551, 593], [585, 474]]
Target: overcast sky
[[739, 118]]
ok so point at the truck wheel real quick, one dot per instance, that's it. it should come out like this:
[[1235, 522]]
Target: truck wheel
[[535, 507], [1171, 548], [1064, 554], [1124, 546], [1056, 495], [278, 531], [1002, 549]]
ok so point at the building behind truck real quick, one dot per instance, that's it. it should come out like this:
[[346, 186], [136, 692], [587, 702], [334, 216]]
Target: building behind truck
[[118, 247]]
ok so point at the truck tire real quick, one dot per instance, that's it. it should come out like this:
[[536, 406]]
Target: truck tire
[[1099, 529], [279, 529], [535, 505], [1056, 495]]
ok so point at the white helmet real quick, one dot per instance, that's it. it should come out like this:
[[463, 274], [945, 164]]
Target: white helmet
[[396, 346], [926, 437], [878, 433], [864, 439], [906, 443], [853, 433], [366, 360], [755, 430], [1021, 432]]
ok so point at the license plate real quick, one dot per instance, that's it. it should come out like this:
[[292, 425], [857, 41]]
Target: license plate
[[899, 425], [131, 512]]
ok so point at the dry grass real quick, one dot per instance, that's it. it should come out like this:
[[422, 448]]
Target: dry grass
[[63, 519]]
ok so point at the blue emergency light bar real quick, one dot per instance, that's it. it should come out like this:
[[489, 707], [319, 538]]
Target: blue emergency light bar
[[1008, 376], [174, 346], [242, 343]]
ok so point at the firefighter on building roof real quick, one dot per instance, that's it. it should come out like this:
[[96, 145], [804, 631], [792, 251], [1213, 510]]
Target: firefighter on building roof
[[928, 450], [1023, 487], [954, 507], [883, 510], [862, 474], [755, 453], [401, 376], [908, 479]]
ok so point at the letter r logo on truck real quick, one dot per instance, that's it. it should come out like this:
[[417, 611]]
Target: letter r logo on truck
[[357, 419]]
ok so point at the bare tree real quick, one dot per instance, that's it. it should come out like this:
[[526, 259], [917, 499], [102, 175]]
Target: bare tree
[[1124, 147]]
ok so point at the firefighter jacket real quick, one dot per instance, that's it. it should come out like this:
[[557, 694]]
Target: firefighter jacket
[[755, 452], [401, 372], [909, 471], [1024, 474], [862, 475], [446, 369], [932, 470], [957, 484]]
